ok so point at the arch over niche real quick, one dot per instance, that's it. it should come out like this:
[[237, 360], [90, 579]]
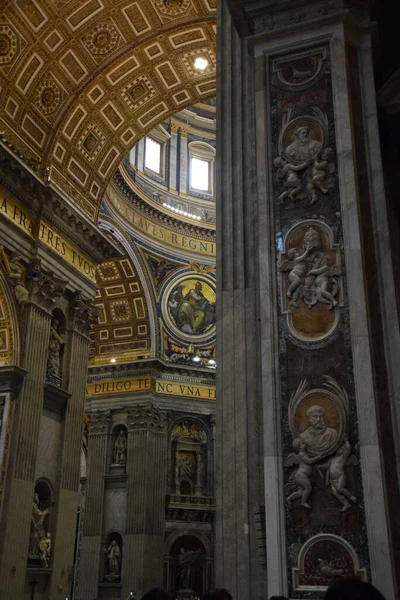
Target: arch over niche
[[188, 562], [9, 326]]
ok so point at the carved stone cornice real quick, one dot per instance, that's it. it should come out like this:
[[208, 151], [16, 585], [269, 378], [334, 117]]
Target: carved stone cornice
[[190, 508], [11, 379], [45, 287], [147, 417], [272, 16], [99, 422], [26, 184], [154, 368], [84, 313], [158, 216]]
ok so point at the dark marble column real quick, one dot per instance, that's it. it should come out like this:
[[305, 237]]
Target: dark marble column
[[145, 523]]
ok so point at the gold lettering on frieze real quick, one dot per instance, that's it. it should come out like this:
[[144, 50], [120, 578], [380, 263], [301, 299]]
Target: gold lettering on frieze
[[17, 215], [68, 252], [159, 386], [40, 230], [160, 233]]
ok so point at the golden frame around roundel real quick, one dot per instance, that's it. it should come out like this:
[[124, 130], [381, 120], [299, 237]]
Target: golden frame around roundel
[[188, 307]]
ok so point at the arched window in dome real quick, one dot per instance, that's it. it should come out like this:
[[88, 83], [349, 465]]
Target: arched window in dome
[[201, 168]]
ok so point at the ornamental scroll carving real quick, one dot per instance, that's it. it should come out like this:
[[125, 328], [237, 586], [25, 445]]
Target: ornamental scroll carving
[[311, 285], [99, 422], [148, 417]]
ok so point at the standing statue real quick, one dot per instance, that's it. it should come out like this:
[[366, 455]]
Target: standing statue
[[120, 449], [13, 269], [38, 532], [53, 355], [113, 553], [184, 567]]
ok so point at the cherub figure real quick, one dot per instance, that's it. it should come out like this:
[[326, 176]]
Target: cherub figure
[[298, 266], [321, 286], [303, 473], [321, 174], [288, 173], [336, 477]]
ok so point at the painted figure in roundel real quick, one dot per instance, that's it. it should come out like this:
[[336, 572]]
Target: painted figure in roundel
[[191, 309]]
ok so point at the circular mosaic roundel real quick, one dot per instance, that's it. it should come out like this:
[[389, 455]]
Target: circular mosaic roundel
[[191, 306], [8, 44], [102, 39], [172, 7]]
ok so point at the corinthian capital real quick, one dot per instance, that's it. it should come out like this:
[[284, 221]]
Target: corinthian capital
[[148, 417], [85, 314], [46, 288], [99, 422]]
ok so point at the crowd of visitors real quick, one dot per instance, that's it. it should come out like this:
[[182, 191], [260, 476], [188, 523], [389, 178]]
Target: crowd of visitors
[[345, 589]]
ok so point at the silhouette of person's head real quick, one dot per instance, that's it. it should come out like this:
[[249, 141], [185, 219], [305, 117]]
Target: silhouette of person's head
[[352, 589], [219, 594], [156, 594]]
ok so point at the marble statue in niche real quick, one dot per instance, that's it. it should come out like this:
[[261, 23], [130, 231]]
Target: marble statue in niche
[[54, 352], [39, 540], [14, 273], [191, 305], [318, 422], [311, 280], [184, 567], [113, 553], [305, 164], [119, 456]]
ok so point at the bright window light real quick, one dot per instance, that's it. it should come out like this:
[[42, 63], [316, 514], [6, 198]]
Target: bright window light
[[152, 159], [200, 174]]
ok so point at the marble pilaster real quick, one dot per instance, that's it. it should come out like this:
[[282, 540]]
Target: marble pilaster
[[14, 533], [239, 476], [94, 501], [145, 520], [64, 542]]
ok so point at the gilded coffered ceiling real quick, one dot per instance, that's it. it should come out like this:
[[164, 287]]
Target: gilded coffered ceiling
[[83, 80]]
